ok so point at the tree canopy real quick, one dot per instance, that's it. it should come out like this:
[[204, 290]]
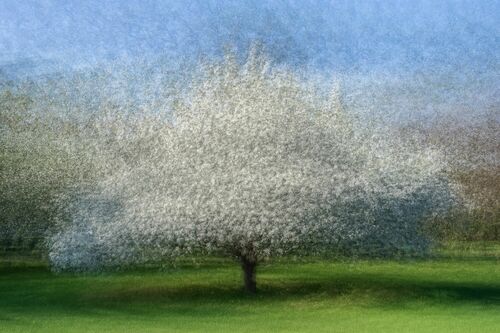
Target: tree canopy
[[253, 163]]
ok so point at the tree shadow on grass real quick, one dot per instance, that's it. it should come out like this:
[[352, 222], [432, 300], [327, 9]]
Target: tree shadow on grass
[[389, 290], [36, 290], [362, 289]]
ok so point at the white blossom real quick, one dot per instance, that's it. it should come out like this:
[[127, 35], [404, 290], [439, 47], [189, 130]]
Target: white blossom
[[255, 163]]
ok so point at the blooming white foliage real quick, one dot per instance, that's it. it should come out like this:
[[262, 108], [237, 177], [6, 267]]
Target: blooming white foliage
[[255, 163]]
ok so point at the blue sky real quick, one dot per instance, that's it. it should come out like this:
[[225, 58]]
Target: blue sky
[[393, 55], [344, 34]]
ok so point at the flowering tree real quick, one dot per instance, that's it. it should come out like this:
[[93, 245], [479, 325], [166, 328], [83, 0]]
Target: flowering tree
[[254, 163]]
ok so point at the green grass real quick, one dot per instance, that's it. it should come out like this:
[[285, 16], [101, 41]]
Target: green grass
[[459, 291]]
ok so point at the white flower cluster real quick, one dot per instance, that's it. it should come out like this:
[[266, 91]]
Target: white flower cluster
[[255, 163]]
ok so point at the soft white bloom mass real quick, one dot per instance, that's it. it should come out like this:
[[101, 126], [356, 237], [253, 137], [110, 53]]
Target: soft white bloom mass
[[254, 163]]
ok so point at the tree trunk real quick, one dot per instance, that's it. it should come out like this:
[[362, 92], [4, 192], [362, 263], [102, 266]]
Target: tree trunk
[[249, 266]]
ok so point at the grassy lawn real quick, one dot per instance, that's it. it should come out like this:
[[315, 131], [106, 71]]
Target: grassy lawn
[[459, 291]]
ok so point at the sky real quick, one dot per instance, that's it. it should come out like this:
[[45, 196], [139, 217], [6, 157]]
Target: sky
[[396, 42]]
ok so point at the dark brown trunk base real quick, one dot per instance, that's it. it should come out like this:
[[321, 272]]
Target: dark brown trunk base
[[249, 275]]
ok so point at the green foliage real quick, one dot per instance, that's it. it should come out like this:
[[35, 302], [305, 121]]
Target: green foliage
[[472, 152], [35, 168]]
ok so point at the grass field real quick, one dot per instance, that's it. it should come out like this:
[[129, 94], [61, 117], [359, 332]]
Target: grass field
[[458, 291]]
